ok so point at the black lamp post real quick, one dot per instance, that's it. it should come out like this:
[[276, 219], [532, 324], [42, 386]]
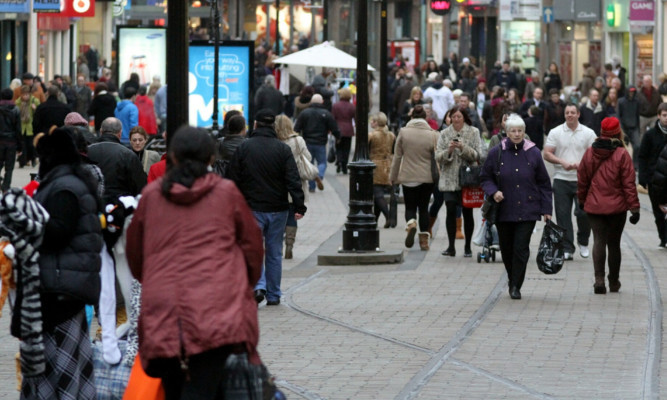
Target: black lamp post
[[360, 233], [216, 65], [177, 66], [383, 57]]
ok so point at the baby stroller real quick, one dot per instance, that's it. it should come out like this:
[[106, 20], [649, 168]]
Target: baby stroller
[[489, 243]]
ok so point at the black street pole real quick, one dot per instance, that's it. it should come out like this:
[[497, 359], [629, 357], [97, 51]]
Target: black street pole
[[238, 19], [277, 27], [177, 66], [383, 57], [360, 233], [216, 66], [325, 20]]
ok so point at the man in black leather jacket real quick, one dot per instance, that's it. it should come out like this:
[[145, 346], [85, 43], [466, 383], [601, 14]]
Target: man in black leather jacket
[[10, 136]]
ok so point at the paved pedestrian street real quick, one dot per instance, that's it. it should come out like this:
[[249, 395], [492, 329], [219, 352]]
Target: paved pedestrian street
[[437, 327]]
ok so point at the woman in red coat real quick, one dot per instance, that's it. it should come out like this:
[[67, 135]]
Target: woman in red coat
[[196, 248], [606, 191], [146, 109]]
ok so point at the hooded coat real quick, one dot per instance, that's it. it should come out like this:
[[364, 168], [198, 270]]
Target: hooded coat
[[197, 280], [606, 179], [128, 114]]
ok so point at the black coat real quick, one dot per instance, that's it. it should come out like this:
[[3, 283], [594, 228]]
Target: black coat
[[268, 97], [314, 124], [51, 112], [265, 171], [10, 125], [102, 107], [123, 173], [628, 113], [535, 130], [659, 182], [554, 115], [590, 118], [653, 142]]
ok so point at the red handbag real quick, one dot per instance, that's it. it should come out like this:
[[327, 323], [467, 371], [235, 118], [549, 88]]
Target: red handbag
[[473, 197]]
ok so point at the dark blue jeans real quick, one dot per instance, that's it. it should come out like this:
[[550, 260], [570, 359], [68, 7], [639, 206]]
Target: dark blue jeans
[[319, 153], [272, 225]]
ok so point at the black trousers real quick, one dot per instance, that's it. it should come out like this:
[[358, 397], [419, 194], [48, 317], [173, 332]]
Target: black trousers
[[416, 200], [7, 160], [343, 152], [380, 202], [29, 154], [204, 379], [607, 232], [514, 241], [660, 223]]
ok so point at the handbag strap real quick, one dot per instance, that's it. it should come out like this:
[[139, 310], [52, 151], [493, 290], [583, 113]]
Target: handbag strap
[[500, 154]]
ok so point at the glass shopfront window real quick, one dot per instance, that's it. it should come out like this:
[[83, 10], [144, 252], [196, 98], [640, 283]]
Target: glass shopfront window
[[520, 43]]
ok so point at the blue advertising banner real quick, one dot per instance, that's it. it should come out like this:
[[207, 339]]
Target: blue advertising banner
[[14, 6], [46, 6], [234, 90]]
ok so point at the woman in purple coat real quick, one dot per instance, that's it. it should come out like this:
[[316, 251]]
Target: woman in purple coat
[[521, 184]]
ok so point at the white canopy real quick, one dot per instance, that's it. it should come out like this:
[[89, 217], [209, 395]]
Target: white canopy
[[321, 55]]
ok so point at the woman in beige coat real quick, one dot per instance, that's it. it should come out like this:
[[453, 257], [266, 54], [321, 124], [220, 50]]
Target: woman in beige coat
[[381, 145], [411, 167], [296, 143], [458, 144]]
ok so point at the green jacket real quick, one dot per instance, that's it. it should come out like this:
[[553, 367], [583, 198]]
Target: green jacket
[[26, 126]]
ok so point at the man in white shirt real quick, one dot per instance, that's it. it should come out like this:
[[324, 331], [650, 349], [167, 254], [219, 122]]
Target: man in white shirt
[[565, 147], [442, 97]]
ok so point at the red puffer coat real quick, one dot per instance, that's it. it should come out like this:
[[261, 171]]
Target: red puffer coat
[[198, 256], [610, 190]]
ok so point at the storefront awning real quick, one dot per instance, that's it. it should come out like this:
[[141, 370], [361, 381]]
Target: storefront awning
[[321, 55]]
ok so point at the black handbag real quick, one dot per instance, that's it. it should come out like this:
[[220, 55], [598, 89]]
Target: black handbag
[[469, 175], [490, 207]]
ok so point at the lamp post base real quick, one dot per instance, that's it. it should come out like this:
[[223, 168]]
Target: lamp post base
[[360, 233]]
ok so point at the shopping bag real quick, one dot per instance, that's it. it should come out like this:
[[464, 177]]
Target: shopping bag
[[244, 380], [472, 197], [331, 156], [550, 255], [141, 386]]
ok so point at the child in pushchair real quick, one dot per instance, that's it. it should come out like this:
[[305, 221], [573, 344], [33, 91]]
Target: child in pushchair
[[488, 241]]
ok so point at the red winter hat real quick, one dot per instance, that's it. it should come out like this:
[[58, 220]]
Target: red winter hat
[[610, 128]]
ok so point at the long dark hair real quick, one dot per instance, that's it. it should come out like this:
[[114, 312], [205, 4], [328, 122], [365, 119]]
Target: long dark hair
[[192, 148]]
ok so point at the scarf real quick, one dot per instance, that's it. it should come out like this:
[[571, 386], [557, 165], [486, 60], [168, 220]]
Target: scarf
[[663, 129], [25, 107], [23, 221], [596, 109]]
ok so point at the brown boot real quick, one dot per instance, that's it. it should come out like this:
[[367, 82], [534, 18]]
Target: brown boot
[[411, 229], [423, 240], [19, 377], [599, 287], [431, 222], [614, 283], [459, 234], [290, 236]]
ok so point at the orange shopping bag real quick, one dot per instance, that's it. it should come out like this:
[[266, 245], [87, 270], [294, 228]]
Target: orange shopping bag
[[141, 386]]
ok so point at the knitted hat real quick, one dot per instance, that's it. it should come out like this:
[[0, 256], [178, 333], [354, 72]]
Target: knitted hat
[[610, 128], [75, 119]]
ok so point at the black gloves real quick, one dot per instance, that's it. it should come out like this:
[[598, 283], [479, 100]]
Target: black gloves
[[634, 218]]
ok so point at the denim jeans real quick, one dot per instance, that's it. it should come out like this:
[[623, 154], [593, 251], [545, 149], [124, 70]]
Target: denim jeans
[[565, 195], [319, 153], [272, 225]]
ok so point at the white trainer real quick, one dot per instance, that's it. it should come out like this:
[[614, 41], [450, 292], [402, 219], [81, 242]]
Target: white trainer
[[567, 256], [583, 251]]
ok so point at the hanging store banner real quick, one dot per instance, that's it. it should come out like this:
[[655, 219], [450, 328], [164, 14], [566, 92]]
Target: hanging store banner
[[52, 6], [14, 6], [234, 81], [642, 13], [142, 51], [511, 10], [578, 11]]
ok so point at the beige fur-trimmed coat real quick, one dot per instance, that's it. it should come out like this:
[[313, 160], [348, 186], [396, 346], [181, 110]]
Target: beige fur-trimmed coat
[[450, 162]]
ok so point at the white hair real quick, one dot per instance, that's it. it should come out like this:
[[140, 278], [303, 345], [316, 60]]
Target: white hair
[[514, 121]]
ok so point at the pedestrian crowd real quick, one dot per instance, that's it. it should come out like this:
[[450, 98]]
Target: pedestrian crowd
[[176, 249]]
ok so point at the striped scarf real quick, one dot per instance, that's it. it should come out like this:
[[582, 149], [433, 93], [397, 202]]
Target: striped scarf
[[23, 221]]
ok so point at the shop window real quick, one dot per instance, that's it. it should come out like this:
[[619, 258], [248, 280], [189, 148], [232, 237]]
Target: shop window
[[581, 31]]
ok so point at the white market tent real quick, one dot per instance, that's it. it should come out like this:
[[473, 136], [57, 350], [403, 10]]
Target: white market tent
[[321, 55]]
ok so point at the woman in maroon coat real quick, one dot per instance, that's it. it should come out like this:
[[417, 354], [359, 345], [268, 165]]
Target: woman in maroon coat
[[195, 247], [344, 112], [606, 191]]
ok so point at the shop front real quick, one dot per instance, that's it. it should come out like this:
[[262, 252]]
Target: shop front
[[520, 32], [579, 32], [14, 17]]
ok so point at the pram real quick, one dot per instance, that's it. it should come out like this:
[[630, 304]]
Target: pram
[[490, 235]]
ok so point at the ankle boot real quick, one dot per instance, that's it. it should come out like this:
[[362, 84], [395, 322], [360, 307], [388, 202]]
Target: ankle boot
[[459, 234], [19, 376], [431, 222], [423, 240], [290, 236], [599, 287], [411, 229]]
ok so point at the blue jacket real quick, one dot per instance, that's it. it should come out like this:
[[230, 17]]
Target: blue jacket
[[128, 114], [524, 181]]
